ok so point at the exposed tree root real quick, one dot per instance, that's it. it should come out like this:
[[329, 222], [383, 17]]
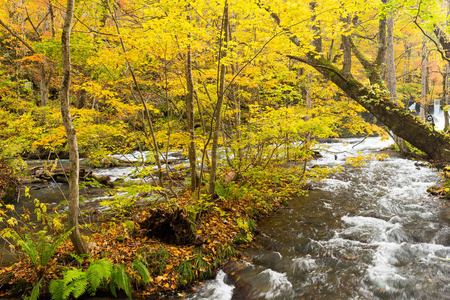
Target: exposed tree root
[[170, 226]]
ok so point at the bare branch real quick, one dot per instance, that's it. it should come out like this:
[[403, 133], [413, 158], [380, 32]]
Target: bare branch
[[17, 37]]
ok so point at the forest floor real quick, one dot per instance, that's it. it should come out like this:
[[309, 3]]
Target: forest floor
[[176, 251]]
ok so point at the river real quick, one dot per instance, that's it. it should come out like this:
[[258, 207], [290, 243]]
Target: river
[[370, 232]]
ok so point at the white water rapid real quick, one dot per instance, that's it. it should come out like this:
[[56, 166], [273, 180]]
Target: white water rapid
[[370, 232]]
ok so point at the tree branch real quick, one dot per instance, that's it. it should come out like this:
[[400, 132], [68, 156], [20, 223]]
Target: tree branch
[[426, 35], [17, 37], [303, 60]]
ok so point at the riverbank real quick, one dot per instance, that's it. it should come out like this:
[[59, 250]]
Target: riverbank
[[180, 242]]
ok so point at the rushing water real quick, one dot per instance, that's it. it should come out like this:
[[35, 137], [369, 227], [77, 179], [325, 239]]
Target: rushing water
[[370, 232]]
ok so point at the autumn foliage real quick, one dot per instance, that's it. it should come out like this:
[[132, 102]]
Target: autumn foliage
[[151, 79]]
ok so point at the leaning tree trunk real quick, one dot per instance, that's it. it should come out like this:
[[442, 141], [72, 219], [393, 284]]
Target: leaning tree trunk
[[78, 242], [375, 98], [377, 101]]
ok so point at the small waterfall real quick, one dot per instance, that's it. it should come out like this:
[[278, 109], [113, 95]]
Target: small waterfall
[[436, 111]]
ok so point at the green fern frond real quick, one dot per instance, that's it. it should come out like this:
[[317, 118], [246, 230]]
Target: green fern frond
[[79, 286], [35, 292], [77, 257], [57, 288], [120, 279], [99, 272], [142, 270], [72, 275], [27, 245], [50, 248], [73, 283]]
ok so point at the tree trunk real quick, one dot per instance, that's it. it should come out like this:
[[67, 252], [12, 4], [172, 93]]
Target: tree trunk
[[78, 242], [218, 110], [391, 77], [81, 98], [43, 86], [424, 81], [375, 99], [445, 96], [406, 75], [308, 94], [190, 120]]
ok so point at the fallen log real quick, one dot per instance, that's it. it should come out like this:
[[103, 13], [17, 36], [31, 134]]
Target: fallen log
[[61, 175]]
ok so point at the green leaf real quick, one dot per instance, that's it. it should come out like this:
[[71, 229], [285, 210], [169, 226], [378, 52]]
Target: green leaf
[[142, 270], [121, 279], [98, 273], [57, 288], [35, 292]]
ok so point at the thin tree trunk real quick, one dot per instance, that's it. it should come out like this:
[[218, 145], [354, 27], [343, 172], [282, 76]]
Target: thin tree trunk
[[308, 94], [445, 85], [190, 120], [424, 79], [52, 17], [78, 242], [406, 75], [445, 96], [218, 112], [141, 98], [43, 87], [391, 77], [347, 51]]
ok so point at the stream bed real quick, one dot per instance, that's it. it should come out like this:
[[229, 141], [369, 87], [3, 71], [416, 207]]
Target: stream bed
[[370, 232]]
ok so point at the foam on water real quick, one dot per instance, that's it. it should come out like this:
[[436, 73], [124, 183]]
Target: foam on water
[[388, 243], [337, 153], [215, 289], [277, 285], [303, 264]]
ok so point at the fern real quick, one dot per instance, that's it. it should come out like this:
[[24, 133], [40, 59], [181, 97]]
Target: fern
[[73, 283], [142, 270], [42, 250], [27, 245], [50, 248], [77, 257], [98, 273], [35, 292], [79, 286], [57, 288], [120, 279]]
